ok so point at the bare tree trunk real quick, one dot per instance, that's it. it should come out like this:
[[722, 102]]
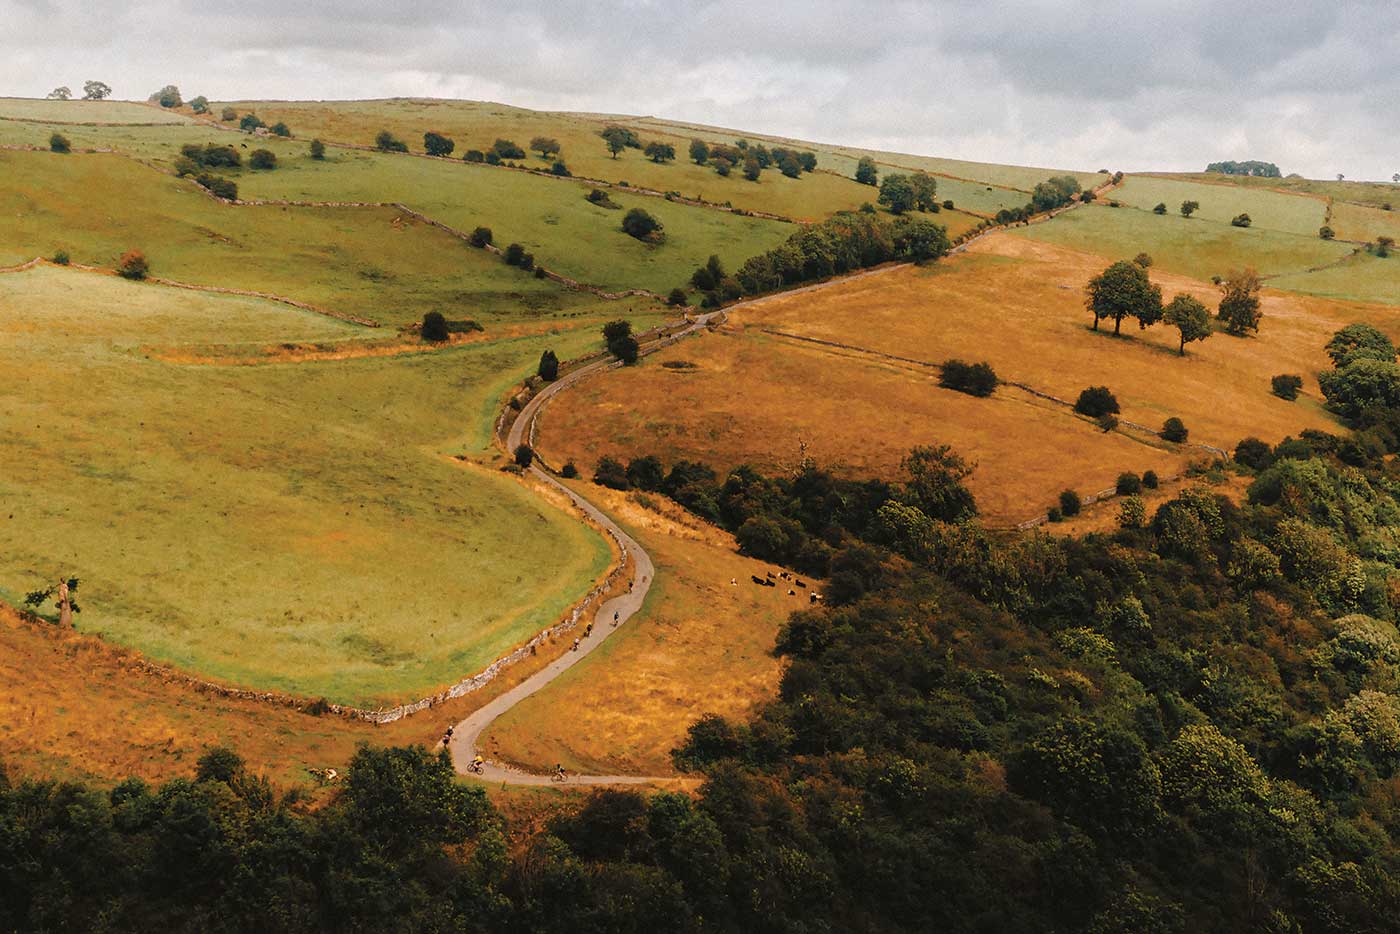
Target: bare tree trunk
[[65, 606]]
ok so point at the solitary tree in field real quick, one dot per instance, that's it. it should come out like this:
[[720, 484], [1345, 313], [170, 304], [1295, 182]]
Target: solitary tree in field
[[549, 366], [168, 96], [1239, 301], [434, 327], [60, 94], [616, 138], [435, 144], [1325, 232], [318, 149], [250, 122], [262, 159], [1161, 208], [1123, 290], [866, 172], [200, 104], [1190, 318], [59, 143], [898, 194], [63, 591], [699, 151], [133, 265], [1340, 176], [1189, 207], [546, 146], [96, 91], [638, 223], [387, 142]]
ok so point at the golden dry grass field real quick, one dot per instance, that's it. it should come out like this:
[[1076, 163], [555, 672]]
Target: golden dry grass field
[[701, 645], [753, 395]]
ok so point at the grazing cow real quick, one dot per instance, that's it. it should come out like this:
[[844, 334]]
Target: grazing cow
[[791, 592], [759, 581], [770, 574], [799, 583]]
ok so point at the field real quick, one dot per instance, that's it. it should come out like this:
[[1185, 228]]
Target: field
[[1267, 210], [18, 108], [1355, 222], [701, 645], [1375, 194], [753, 395], [291, 526], [1195, 247], [1362, 278]]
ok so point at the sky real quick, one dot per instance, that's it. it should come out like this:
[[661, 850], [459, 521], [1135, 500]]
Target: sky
[[1130, 85]]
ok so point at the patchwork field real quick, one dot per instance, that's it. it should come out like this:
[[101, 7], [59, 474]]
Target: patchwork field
[[752, 395], [1375, 194], [20, 108], [291, 526], [1362, 277], [1267, 209], [700, 645]]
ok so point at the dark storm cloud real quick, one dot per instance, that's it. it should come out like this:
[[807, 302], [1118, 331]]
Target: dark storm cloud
[[1132, 84]]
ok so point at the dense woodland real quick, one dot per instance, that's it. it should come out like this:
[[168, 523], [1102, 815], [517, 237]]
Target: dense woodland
[[1190, 724]]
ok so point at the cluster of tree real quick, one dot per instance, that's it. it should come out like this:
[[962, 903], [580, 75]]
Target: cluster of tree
[[1363, 385], [92, 91], [975, 379], [209, 156], [1123, 290], [1381, 247], [500, 151], [621, 342], [753, 158], [1054, 193], [388, 142], [914, 192], [168, 96], [640, 224], [516, 255], [1248, 167]]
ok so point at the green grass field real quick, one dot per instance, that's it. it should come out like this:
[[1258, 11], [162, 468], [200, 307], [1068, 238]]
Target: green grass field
[[1196, 246], [1268, 210], [1375, 194], [1353, 222], [295, 526], [1361, 278], [372, 262], [19, 108]]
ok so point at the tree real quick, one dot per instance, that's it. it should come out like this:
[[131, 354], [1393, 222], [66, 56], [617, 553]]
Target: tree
[[318, 149], [1286, 385], [262, 159], [1123, 290], [507, 149], [1325, 232], [513, 254], [387, 142], [1096, 401], [200, 104], [897, 193], [133, 265], [560, 169], [1174, 430], [752, 167], [676, 298], [219, 186], [789, 166], [546, 146], [1360, 341], [434, 327], [228, 115], [524, 456], [925, 192], [1132, 513], [1144, 260], [1190, 318], [1240, 220], [1239, 301], [96, 91], [638, 223], [59, 143], [610, 473], [60, 94], [699, 151], [920, 240], [250, 122], [645, 473], [168, 96], [1189, 207], [1364, 383], [975, 379], [64, 602], [481, 237], [1070, 503], [659, 152], [935, 483], [1161, 208], [1384, 245], [549, 366], [866, 172], [616, 138], [435, 144]]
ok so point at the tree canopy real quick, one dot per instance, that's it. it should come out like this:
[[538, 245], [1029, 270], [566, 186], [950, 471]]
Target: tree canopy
[[1122, 291]]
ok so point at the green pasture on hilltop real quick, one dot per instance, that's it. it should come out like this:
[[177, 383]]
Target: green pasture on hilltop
[[1193, 246], [1267, 209], [80, 111], [293, 526], [1375, 194]]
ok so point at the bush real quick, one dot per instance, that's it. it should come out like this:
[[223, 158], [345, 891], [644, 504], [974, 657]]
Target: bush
[[514, 254], [262, 159], [527, 262], [1070, 503], [493, 157], [1240, 220], [1128, 483], [1132, 514], [948, 204], [1054, 515], [1253, 453], [507, 149], [975, 379], [569, 471], [548, 369], [473, 155], [610, 473], [560, 169], [1325, 232], [59, 143], [1287, 385], [480, 237], [677, 297], [1107, 422], [387, 142], [524, 455], [645, 473], [1160, 208], [133, 265], [638, 223], [1096, 401], [219, 186], [60, 258], [228, 115], [1149, 479], [318, 149], [626, 349], [435, 144], [249, 123], [434, 327], [281, 129], [1173, 430], [1144, 260]]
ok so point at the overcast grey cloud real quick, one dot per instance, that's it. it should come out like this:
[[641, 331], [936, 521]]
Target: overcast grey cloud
[[1131, 85]]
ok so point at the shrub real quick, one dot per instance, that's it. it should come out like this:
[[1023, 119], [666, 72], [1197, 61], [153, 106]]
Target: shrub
[[1253, 453], [473, 155], [59, 143], [60, 258], [1161, 208], [1173, 430], [434, 327], [249, 123], [1070, 503], [387, 142], [1107, 422], [527, 262], [219, 186], [548, 369], [948, 204], [1132, 514], [638, 223], [1144, 260], [560, 169], [524, 455], [228, 115], [1128, 483], [645, 473], [318, 149], [493, 157], [539, 271], [1325, 232], [262, 159], [975, 379], [133, 265], [569, 471], [610, 473], [514, 254], [1054, 515], [1240, 220], [1287, 385], [281, 129], [1096, 401], [677, 297], [480, 237], [626, 349], [435, 144], [506, 149], [1149, 479]]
